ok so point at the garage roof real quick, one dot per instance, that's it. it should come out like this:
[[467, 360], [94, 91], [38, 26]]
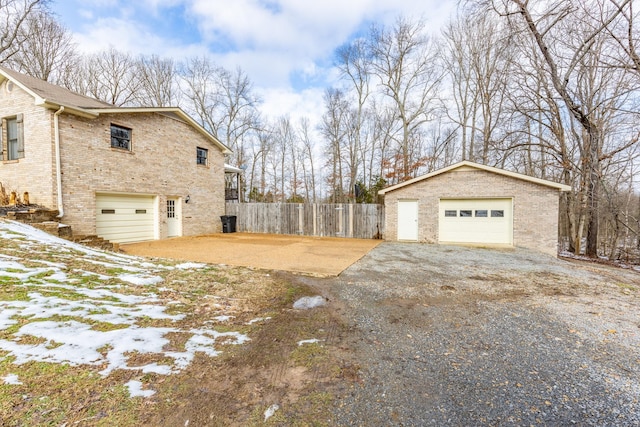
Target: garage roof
[[465, 165]]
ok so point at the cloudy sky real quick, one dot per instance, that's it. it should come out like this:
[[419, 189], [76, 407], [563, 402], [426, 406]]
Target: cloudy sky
[[285, 46]]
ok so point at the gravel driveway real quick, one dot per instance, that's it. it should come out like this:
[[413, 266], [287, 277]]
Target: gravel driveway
[[462, 337]]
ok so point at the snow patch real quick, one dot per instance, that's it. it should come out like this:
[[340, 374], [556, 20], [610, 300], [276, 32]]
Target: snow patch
[[140, 280], [54, 294], [311, 341], [258, 319], [135, 389], [12, 379], [190, 265], [305, 303], [271, 410], [223, 318]]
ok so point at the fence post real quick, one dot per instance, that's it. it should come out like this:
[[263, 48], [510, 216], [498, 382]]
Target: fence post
[[300, 218], [315, 219], [350, 219]]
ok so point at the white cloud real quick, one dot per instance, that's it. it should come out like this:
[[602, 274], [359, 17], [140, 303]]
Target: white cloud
[[271, 40], [285, 101]]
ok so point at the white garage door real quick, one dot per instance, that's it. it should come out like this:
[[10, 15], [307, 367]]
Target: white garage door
[[481, 221], [125, 218]]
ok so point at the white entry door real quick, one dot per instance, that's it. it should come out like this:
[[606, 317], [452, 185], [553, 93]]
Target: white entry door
[[174, 215], [408, 220]]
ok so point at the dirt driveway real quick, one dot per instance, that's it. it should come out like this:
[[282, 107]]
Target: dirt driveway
[[428, 335], [467, 337], [324, 256]]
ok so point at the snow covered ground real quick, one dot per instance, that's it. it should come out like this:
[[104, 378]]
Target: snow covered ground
[[61, 302]]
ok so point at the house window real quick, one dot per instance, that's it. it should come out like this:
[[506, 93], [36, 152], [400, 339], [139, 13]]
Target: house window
[[481, 213], [120, 137], [15, 138], [497, 214], [201, 156], [450, 213], [465, 213]]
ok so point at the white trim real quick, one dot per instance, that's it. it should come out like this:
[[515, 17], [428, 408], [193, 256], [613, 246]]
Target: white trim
[[56, 136], [231, 169]]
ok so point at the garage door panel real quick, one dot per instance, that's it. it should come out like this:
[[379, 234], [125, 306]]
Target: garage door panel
[[125, 218], [481, 221]]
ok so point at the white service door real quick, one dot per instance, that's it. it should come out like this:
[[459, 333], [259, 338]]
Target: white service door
[[482, 221], [174, 221], [408, 220], [125, 218]]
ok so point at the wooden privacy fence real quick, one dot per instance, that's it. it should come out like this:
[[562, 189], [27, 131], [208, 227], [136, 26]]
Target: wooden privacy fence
[[310, 219]]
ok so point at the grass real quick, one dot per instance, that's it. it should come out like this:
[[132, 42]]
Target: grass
[[230, 389], [309, 355], [627, 287], [57, 394]]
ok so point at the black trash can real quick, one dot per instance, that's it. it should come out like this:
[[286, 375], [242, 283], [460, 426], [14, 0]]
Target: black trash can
[[228, 223]]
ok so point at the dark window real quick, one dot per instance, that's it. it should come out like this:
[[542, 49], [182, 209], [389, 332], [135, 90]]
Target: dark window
[[481, 214], [497, 214], [201, 156], [141, 211], [15, 138], [108, 211], [450, 213], [120, 137], [171, 208], [466, 213]]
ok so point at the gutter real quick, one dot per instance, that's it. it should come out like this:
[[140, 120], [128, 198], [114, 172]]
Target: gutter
[[56, 131]]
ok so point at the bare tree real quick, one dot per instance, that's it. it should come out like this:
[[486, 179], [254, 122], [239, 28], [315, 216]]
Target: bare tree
[[14, 18], [157, 82], [307, 155], [109, 76], [333, 129], [619, 21], [46, 51], [405, 66], [574, 51], [226, 104], [458, 63], [354, 63], [261, 152]]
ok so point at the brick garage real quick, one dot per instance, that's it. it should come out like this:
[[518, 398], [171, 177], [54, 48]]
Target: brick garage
[[469, 203]]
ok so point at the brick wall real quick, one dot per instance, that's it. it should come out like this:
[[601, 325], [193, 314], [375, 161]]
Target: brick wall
[[35, 172], [162, 162], [535, 207]]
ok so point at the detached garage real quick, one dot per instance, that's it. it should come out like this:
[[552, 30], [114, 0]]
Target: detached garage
[[469, 203]]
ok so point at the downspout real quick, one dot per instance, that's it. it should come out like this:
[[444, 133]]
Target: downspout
[[56, 131]]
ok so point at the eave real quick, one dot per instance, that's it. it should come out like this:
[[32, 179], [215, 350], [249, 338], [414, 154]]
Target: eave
[[471, 165]]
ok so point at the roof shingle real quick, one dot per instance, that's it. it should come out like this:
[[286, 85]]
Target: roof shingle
[[54, 94]]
